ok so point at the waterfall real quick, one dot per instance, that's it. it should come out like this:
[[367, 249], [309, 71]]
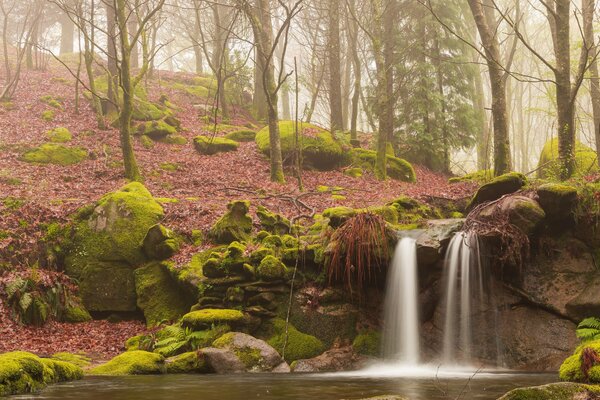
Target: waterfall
[[464, 296], [401, 331]]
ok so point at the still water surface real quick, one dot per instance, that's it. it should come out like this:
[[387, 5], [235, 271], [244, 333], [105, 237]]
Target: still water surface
[[290, 387]]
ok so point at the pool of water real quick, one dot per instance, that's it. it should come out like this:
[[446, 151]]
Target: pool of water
[[483, 385]]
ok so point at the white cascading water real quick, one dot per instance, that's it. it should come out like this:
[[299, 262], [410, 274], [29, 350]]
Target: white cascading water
[[401, 331], [463, 276]]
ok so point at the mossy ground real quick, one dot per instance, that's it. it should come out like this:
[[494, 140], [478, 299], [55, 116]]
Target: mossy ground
[[51, 153]]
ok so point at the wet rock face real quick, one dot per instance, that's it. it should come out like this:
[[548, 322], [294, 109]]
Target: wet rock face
[[432, 242]]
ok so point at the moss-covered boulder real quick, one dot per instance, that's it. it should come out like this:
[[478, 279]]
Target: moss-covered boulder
[[255, 354], [52, 153], [79, 359], [338, 215], [298, 346], [59, 135], [498, 187], [113, 229], [271, 269], [272, 222], [156, 130], [160, 243], [204, 319], [242, 135], [75, 314], [320, 149], [549, 166], [574, 369], [22, 372], [186, 363], [107, 286], [554, 391], [397, 168], [213, 145], [523, 212], [134, 362], [158, 295], [558, 201], [234, 225]]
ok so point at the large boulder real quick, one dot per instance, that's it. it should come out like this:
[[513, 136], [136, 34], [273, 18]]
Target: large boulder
[[498, 187], [254, 354], [52, 153], [114, 229], [320, 149], [558, 201], [234, 225], [158, 295], [335, 360], [107, 286], [523, 212], [549, 164], [397, 168]]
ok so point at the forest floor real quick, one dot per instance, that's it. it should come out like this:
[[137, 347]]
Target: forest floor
[[202, 186]]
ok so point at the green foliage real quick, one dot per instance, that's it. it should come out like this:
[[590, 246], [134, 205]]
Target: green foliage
[[320, 149], [549, 166], [51, 153], [213, 145], [203, 319], [588, 329], [134, 362], [176, 339], [59, 135]]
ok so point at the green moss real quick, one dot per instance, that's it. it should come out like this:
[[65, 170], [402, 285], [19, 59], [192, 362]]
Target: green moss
[[261, 252], [156, 130], [146, 142], [174, 139], [52, 101], [389, 213], [499, 186], [209, 146], [50, 153], [338, 215], [22, 372], [79, 360], [169, 166], [107, 286], [271, 269], [134, 362], [549, 166], [158, 295], [481, 176], [186, 363], [299, 345], [48, 115], [319, 147], [160, 243], [59, 135], [242, 135], [114, 228], [234, 225], [203, 319], [368, 343], [272, 242], [354, 172], [397, 168], [553, 391], [272, 222], [76, 314]]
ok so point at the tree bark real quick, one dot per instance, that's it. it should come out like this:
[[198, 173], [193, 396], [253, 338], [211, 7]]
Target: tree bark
[[588, 7], [111, 44]]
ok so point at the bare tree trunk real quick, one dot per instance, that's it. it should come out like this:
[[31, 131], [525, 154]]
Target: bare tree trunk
[[335, 79], [67, 28], [482, 139], [502, 161], [112, 94], [588, 7], [356, 67]]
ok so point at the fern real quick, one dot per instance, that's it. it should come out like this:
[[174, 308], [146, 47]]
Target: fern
[[588, 329]]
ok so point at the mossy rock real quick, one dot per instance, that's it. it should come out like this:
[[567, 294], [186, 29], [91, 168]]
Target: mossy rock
[[22, 372], [114, 228], [204, 319], [571, 368], [272, 222], [271, 269], [368, 343], [186, 363], [397, 168], [320, 149], [75, 314], [558, 201], [498, 187], [481, 176], [107, 286], [338, 215], [158, 295], [554, 391], [586, 162], [52, 153], [175, 139], [59, 135], [156, 130], [52, 101], [160, 243], [213, 145], [254, 354], [354, 172], [79, 360], [134, 362], [234, 225], [299, 346], [242, 135], [47, 115]]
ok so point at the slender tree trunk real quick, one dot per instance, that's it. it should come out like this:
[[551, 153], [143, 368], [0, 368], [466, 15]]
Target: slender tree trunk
[[67, 28], [502, 161], [335, 78], [196, 44], [111, 44], [135, 48], [588, 7], [356, 67], [482, 138], [132, 171]]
